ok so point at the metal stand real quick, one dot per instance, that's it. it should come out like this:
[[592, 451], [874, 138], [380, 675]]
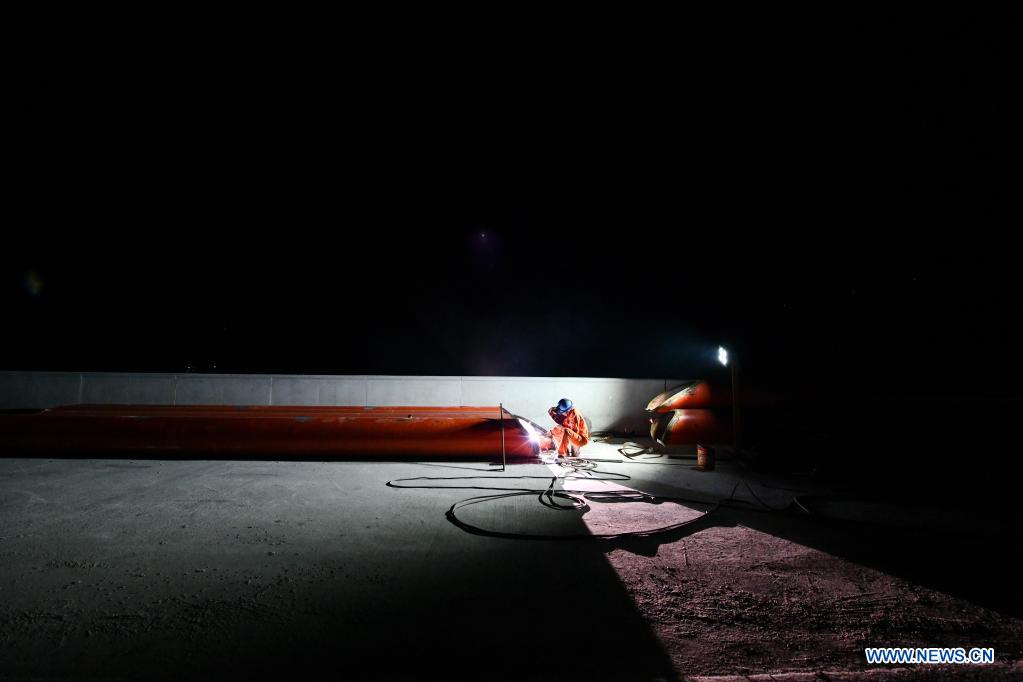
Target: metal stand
[[504, 456], [735, 406]]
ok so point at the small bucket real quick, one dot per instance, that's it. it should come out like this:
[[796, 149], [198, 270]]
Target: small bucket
[[704, 458]]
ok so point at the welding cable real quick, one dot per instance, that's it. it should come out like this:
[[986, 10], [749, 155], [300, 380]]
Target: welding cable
[[570, 462], [604, 436], [743, 480], [619, 496], [645, 450], [452, 516], [576, 463], [632, 455], [547, 495], [605, 496], [577, 501], [547, 498], [632, 458], [396, 483], [641, 450], [767, 506]]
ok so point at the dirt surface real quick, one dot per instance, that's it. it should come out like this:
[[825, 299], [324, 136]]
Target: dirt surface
[[744, 590], [738, 600]]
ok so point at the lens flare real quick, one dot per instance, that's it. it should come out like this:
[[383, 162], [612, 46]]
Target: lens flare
[[33, 284], [534, 436]]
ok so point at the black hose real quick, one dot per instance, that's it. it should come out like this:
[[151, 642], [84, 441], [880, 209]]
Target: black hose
[[577, 501]]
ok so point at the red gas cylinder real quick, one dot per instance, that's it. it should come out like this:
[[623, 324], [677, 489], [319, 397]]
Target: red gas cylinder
[[705, 458]]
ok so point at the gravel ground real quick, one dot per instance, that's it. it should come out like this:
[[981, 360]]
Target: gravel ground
[[748, 592], [738, 600]]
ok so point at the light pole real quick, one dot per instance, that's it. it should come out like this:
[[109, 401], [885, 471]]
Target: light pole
[[724, 360]]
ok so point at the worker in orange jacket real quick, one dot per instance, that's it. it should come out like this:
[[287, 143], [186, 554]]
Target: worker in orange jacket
[[570, 434]]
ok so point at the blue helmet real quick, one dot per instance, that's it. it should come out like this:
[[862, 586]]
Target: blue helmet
[[564, 405]]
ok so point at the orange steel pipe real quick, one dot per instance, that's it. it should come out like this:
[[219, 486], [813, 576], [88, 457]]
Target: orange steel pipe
[[690, 395], [690, 427], [279, 432]]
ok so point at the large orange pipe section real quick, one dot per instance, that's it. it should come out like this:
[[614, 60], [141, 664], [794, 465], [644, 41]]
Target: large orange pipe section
[[690, 427], [689, 414], [690, 395], [273, 432]]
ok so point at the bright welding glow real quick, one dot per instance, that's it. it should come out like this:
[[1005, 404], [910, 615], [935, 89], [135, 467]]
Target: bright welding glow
[[534, 437], [722, 356]]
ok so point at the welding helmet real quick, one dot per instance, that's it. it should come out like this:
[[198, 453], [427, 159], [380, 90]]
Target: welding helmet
[[564, 405]]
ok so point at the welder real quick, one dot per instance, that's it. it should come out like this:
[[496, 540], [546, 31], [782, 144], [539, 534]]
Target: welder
[[571, 433]]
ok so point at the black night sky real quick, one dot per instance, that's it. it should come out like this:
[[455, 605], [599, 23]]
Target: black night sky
[[835, 210], [497, 190]]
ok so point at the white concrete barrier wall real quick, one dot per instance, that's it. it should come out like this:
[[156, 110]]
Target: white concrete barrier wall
[[610, 404]]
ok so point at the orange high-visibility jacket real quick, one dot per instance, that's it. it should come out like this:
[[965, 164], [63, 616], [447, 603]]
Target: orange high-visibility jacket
[[571, 430]]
